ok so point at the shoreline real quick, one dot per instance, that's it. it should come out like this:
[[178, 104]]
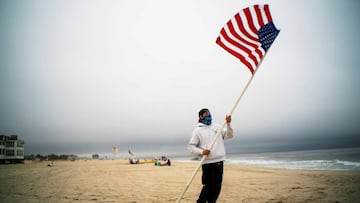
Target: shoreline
[[226, 162], [309, 159], [119, 181]]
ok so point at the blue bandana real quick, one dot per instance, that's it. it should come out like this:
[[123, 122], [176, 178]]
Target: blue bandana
[[206, 120]]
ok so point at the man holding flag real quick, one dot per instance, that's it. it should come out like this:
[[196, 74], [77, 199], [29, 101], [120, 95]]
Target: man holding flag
[[213, 165], [248, 36]]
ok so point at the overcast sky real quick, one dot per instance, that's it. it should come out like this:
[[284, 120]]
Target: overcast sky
[[117, 71]]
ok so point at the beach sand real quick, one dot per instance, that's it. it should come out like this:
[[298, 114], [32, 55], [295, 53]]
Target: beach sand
[[118, 181]]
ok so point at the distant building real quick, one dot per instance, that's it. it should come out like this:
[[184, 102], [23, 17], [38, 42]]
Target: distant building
[[11, 149], [95, 156]]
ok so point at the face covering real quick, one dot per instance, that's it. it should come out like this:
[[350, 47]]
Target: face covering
[[206, 120]]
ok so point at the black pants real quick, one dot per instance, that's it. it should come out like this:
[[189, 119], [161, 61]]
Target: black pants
[[211, 179]]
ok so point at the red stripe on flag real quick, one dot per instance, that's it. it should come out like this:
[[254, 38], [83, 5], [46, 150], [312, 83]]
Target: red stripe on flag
[[258, 51], [233, 32], [242, 29], [236, 44], [250, 21], [236, 54], [258, 15], [267, 12]]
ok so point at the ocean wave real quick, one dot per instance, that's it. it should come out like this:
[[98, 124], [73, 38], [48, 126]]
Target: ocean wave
[[302, 164]]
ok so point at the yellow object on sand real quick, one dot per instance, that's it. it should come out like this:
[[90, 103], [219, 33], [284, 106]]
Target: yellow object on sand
[[147, 161]]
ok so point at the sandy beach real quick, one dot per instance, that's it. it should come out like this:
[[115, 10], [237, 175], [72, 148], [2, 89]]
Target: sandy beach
[[118, 181]]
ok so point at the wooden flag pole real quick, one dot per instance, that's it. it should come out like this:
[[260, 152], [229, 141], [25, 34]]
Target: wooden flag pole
[[218, 134]]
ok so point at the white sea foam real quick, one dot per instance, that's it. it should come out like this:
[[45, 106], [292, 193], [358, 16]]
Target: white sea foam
[[324, 159], [304, 164]]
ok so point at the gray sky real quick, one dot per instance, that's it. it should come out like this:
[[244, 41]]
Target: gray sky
[[117, 71]]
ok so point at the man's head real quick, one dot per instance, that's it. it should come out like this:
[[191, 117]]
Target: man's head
[[203, 111], [205, 116]]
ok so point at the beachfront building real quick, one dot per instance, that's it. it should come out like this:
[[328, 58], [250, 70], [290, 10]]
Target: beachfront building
[[11, 149]]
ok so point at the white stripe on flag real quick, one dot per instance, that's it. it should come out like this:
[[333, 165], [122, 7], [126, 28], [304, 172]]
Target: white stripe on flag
[[248, 47], [246, 25], [236, 49]]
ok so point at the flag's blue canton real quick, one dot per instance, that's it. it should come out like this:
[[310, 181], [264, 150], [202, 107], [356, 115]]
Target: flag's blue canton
[[267, 35]]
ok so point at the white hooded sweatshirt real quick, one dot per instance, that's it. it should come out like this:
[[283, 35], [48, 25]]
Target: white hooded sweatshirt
[[202, 137]]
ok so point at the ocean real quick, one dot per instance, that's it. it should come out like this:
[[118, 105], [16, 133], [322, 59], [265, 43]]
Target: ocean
[[317, 159], [321, 159]]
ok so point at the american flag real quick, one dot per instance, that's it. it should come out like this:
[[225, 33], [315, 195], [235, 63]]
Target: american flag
[[249, 35]]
